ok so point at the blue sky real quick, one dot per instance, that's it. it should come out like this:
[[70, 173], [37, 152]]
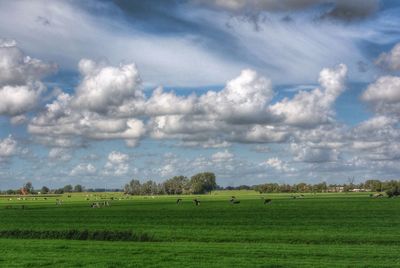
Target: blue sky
[[256, 91]]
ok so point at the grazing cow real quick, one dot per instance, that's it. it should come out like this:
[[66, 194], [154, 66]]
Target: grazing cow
[[234, 201], [178, 201], [95, 205], [196, 202], [267, 201]]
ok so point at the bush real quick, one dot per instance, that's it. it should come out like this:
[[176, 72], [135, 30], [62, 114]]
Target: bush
[[393, 192]]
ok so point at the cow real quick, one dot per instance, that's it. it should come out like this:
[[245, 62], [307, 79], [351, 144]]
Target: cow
[[234, 201], [267, 201], [196, 202]]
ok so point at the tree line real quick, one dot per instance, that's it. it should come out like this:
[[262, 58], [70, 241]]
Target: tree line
[[390, 187], [206, 182], [200, 183], [28, 188]]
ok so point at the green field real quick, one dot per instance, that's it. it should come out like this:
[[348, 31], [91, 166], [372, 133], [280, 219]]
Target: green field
[[319, 230]]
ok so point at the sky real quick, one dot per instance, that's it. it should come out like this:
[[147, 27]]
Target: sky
[[257, 91]]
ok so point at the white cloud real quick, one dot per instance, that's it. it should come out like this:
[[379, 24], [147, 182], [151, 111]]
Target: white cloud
[[384, 96], [15, 100], [167, 170], [278, 164], [385, 89], [117, 164], [308, 109], [105, 87], [20, 86], [243, 100], [18, 119], [60, 154], [168, 103], [8, 147], [117, 157], [92, 112], [391, 59], [222, 156], [18, 69], [314, 154], [83, 170]]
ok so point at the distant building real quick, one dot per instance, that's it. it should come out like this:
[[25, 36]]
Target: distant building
[[360, 190], [335, 189]]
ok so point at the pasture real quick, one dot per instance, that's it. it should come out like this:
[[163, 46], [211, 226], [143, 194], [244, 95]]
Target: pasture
[[316, 230]]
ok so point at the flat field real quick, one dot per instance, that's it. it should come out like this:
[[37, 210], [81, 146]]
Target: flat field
[[317, 230]]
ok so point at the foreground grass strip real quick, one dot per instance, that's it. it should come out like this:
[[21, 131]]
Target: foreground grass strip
[[102, 235]]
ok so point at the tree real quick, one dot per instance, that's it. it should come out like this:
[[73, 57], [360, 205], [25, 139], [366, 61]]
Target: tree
[[28, 187], [67, 188], [392, 188], [45, 190], [177, 185], [78, 188], [59, 191], [10, 191], [133, 188], [351, 181], [149, 188], [203, 182], [374, 185]]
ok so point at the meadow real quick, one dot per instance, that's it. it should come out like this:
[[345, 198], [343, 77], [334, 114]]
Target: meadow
[[317, 230]]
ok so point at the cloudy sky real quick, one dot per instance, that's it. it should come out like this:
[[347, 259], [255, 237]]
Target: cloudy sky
[[256, 91]]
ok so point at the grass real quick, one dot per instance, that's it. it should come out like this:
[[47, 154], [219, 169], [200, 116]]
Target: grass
[[318, 230]]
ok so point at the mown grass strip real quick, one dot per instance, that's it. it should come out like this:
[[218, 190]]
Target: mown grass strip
[[100, 235]]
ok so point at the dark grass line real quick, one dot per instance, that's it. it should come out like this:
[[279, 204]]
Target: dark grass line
[[101, 235]]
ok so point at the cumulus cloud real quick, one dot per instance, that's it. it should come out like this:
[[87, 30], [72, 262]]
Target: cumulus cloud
[[312, 154], [385, 89], [168, 103], [20, 86], [384, 95], [109, 101], [8, 147], [18, 69], [18, 119], [83, 170], [94, 111], [104, 87], [222, 156], [277, 164], [390, 60], [117, 164], [314, 107], [60, 154], [243, 100]]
